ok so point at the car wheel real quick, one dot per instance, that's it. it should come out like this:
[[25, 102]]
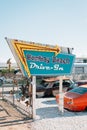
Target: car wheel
[[86, 109]]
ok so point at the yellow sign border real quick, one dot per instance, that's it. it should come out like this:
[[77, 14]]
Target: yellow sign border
[[20, 46]]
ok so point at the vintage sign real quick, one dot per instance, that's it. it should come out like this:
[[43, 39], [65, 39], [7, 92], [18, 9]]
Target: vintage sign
[[47, 63], [39, 59]]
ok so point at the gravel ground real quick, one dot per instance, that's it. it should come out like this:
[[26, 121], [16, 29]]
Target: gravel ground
[[49, 118]]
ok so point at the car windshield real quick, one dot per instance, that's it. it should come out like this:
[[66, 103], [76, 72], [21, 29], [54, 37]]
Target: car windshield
[[66, 83], [44, 83], [79, 90]]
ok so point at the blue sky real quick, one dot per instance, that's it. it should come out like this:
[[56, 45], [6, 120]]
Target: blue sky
[[62, 22]]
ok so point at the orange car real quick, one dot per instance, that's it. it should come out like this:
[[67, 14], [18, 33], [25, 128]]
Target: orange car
[[75, 99]]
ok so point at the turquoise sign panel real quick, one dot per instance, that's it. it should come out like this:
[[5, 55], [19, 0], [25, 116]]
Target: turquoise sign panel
[[47, 63]]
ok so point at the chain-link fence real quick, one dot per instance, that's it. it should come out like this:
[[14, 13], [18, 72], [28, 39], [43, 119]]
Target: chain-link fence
[[17, 92]]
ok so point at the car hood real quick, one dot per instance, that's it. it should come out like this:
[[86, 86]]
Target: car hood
[[72, 95]]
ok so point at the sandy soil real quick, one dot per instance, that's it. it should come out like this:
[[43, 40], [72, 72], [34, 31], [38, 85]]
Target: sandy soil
[[12, 119]]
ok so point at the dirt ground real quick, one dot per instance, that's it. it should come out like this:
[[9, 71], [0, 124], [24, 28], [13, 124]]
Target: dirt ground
[[12, 119]]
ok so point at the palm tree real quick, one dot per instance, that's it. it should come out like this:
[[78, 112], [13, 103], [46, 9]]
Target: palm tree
[[9, 64]]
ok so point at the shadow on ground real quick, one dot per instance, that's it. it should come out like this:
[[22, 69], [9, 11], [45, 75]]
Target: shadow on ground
[[9, 115]]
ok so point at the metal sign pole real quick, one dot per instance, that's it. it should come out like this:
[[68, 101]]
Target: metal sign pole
[[13, 93], [2, 91], [33, 96], [61, 102]]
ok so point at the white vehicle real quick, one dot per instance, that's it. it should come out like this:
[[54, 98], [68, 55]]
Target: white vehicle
[[50, 86]]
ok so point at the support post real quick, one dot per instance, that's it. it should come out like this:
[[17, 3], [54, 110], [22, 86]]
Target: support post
[[2, 91], [33, 96], [13, 94], [61, 100]]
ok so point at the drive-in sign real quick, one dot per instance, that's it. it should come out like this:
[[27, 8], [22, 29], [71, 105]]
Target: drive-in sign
[[47, 63], [39, 59]]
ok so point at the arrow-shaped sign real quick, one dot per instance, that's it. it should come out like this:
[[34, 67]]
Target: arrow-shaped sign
[[37, 47], [20, 46], [39, 59]]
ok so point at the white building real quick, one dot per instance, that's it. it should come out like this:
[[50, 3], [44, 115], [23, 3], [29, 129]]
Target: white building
[[80, 68]]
